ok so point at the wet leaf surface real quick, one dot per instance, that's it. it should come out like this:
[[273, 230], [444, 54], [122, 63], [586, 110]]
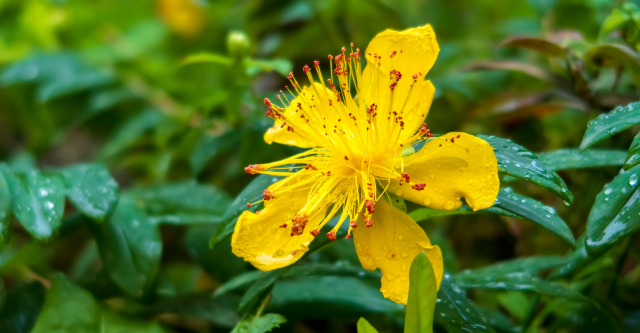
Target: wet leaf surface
[[91, 189], [565, 159], [423, 290], [609, 124], [455, 312]]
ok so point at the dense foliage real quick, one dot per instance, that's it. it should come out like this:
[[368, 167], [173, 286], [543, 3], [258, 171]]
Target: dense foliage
[[125, 127]]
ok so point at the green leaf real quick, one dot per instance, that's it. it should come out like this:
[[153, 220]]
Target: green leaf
[[516, 161], [265, 282], [5, 209], [105, 99], [130, 247], [38, 200], [251, 193], [69, 308], [614, 55], [536, 44], [219, 262], [397, 202], [565, 159], [519, 275], [209, 147], [182, 202], [456, 312], [220, 311], [608, 124], [423, 214], [536, 212], [364, 326], [206, 58], [328, 296], [22, 307], [633, 156], [616, 211], [282, 66], [264, 323], [423, 290], [131, 131], [575, 260], [91, 189], [239, 281]]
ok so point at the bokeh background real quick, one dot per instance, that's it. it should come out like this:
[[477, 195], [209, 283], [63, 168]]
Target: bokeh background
[[168, 96]]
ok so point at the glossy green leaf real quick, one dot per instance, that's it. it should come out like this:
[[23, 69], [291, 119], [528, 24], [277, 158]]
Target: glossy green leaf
[[616, 211], [423, 290], [519, 275], [131, 131], [516, 161], [564, 159], [397, 202], [608, 124], [130, 247], [38, 200], [264, 283], [239, 281], [575, 260], [364, 326], [91, 189], [536, 44], [262, 324], [456, 313], [536, 212], [22, 307], [219, 262], [327, 296], [183, 202], [422, 214], [69, 308], [5, 209], [633, 155], [251, 193]]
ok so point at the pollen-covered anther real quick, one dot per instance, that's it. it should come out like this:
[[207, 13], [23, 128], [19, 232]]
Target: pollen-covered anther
[[369, 204], [253, 169], [314, 232], [368, 223], [248, 205], [299, 222], [310, 166], [353, 225], [316, 64], [331, 235], [290, 77], [284, 225], [452, 139], [306, 68], [405, 176], [424, 131], [347, 237], [267, 195], [418, 186]]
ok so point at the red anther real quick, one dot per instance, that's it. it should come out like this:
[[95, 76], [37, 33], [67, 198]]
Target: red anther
[[370, 204], [267, 102], [402, 124], [314, 232], [418, 186], [415, 76], [284, 225], [440, 146], [368, 223], [452, 139], [330, 57], [393, 53], [346, 158], [299, 222], [248, 205], [400, 50], [347, 237], [393, 255], [353, 225], [286, 87], [406, 177], [458, 136], [253, 169], [278, 96], [258, 212], [393, 85], [310, 166], [293, 252], [370, 194], [331, 235], [343, 49], [316, 64], [267, 195], [305, 68], [328, 173], [352, 44], [290, 76]]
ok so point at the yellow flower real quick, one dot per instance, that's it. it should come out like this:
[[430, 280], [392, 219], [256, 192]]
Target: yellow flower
[[185, 17], [357, 129]]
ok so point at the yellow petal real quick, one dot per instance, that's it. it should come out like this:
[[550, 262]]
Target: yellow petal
[[314, 100], [466, 167], [258, 238], [391, 244]]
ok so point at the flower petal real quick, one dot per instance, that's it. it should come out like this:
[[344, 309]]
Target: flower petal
[[463, 167], [391, 244], [258, 238]]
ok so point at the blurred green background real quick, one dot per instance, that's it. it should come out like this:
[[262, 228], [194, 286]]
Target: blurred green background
[[167, 95]]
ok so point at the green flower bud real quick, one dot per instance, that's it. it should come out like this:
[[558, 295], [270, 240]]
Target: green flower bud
[[238, 44]]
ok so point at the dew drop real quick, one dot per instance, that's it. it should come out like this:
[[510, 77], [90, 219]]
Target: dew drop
[[426, 201], [398, 192], [449, 205], [633, 179]]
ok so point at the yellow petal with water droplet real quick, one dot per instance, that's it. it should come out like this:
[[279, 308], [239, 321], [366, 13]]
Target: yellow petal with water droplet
[[466, 167], [395, 257]]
